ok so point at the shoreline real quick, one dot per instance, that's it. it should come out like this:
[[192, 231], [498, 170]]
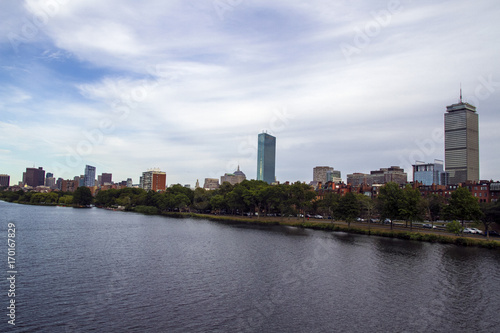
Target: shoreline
[[355, 228], [372, 230]]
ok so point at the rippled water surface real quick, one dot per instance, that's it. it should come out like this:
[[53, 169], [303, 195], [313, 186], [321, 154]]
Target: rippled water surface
[[83, 270]]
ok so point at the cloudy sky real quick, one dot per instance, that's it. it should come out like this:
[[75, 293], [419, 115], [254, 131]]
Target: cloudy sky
[[186, 86]]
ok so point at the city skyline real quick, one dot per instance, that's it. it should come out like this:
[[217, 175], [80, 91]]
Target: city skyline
[[353, 86]]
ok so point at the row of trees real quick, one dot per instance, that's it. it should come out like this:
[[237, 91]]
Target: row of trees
[[252, 196], [81, 197]]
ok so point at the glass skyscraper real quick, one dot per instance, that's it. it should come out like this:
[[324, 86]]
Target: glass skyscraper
[[429, 173], [461, 142], [266, 158], [89, 179]]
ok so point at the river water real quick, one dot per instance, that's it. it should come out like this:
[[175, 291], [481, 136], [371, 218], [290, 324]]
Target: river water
[[93, 270]]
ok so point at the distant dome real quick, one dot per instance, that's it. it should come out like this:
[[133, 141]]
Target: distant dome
[[239, 173]]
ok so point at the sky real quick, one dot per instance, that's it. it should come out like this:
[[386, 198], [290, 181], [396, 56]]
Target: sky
[[187, 86]]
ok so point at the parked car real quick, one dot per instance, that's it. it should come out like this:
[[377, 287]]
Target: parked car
[[477, 231], [359, 219], [428, 226], [493, 233], [468, 231], [387, 221], [318, 216]]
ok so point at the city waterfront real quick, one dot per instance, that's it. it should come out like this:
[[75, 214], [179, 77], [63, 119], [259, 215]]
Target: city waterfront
[[81, 270]]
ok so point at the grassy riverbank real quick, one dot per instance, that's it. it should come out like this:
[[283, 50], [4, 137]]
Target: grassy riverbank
[[375, 230]]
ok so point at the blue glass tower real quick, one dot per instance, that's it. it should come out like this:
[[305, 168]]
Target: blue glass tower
[[89, 179], [266, 158]]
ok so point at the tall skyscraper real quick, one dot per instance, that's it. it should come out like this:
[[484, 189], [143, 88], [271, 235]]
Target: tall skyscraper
[[89, 179], [461, 142], [266, 158]]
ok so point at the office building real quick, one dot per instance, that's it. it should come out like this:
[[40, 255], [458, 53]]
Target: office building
[[34, 177], [89, 177], [50, 181], [233, 178], [382, 176], [211, 184], [429, 173], [461, 142], [106, 179], [333, 176], [59, 183], [319, 174], [325, 174], [5, 180], [69, 185], [154, 180], [266, 158]]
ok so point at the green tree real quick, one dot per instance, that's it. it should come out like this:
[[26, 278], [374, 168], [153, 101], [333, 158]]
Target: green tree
[[181, 201], [217, 202], [410, 206], [66, 199], [367, 206], [389, 201], [301, 196], [200, 200], [349, 208], [463, 206], [454, 227], [280, 199], [435, 206], [491, 214], [82, 196]]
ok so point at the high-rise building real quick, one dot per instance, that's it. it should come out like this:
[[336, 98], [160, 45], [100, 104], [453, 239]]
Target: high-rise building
[[154, 180], [319, 173], [89, 177], [266, 158], [5, 180], [461, 142], [34, 177], [50, 181], [429, 173], [333, 176], [106, 179], [325, 174]]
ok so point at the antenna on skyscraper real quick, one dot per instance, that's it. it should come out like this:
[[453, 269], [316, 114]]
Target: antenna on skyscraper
[[460, 92]]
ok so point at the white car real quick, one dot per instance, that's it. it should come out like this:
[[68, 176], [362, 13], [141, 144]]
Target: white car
[[476, 231], [468, 231]]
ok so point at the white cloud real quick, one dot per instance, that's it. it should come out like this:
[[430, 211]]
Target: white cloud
[[184, 87]]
